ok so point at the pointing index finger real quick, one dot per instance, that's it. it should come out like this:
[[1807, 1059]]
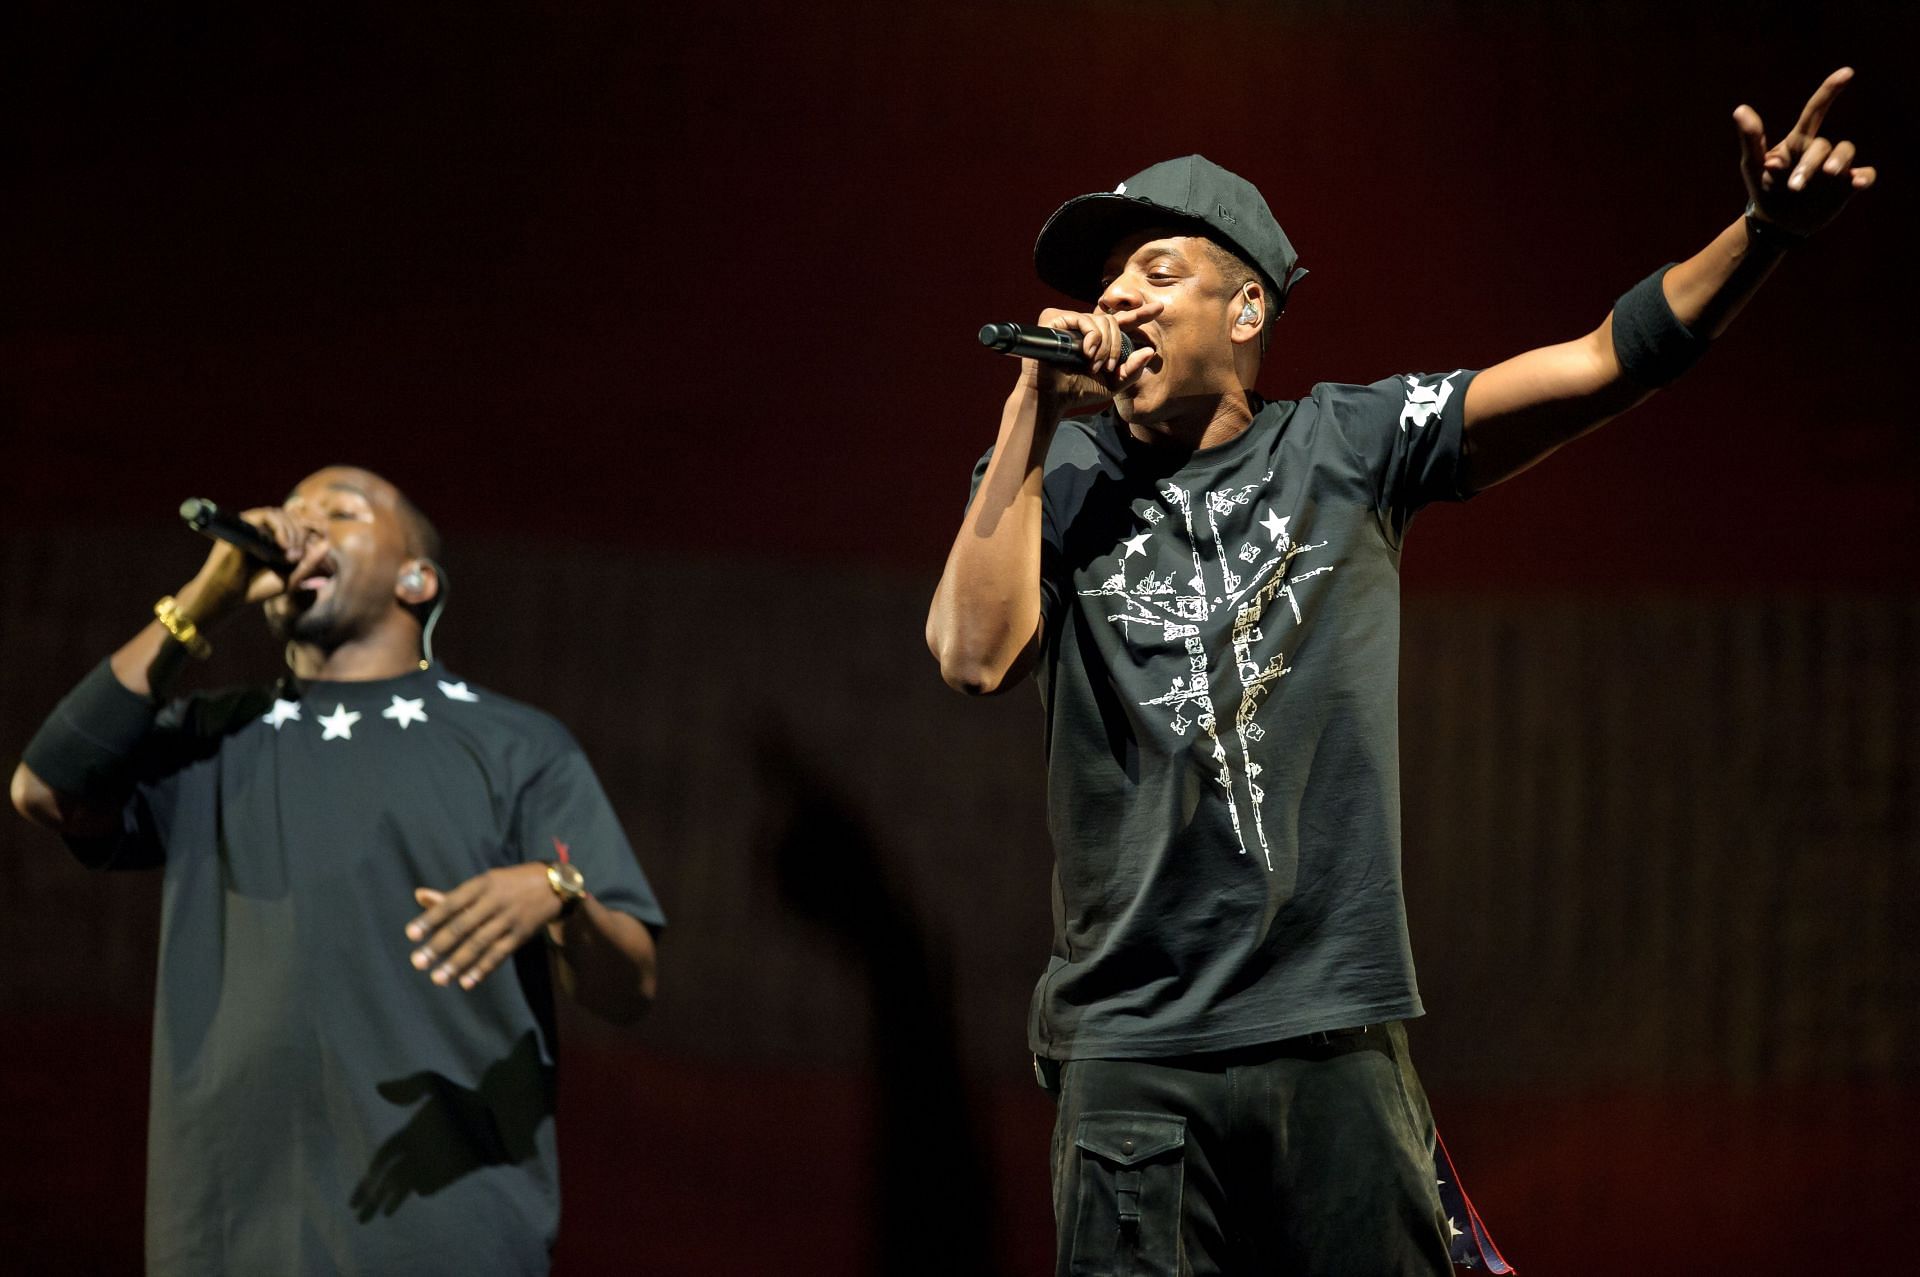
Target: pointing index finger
[[1815, 112]]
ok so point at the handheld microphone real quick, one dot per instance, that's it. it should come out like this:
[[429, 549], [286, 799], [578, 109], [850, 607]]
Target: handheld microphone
[[210, 520], [1049, 345]]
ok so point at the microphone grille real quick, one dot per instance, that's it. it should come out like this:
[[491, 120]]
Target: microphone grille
[[999, 336]]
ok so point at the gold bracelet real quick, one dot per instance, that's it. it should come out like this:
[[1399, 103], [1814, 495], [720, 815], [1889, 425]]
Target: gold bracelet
[[184, 632]]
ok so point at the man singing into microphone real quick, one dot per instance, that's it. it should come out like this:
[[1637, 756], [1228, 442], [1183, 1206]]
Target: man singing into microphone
[[373, 873], [1205, 586]]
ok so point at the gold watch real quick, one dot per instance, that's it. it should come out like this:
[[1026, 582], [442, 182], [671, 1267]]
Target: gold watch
[[568, 883]]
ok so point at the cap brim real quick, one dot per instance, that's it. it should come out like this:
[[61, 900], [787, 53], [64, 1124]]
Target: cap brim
[[1071, 253]]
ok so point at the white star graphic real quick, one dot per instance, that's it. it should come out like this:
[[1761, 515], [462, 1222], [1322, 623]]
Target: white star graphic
[[1275, 525], [339, 724], [282, 712], [1453, 1230], [405, 711], [1135, 545], [457, 691]]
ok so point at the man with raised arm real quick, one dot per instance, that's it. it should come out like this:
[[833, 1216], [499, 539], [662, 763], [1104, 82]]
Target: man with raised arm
[[1206, 588], [373, 873]]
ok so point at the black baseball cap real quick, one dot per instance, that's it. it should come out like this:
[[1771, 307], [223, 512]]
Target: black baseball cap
[[1192, 191]]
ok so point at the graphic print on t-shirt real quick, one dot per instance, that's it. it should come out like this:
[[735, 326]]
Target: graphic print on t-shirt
[[1425, 403], [1250, 579]]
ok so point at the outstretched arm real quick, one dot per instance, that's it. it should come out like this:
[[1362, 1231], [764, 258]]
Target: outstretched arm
[[1522, 409]]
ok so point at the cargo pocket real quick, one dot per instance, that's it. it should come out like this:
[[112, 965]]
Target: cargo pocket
[[1127, 1211]]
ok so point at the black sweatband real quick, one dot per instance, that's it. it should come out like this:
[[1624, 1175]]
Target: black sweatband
[[1769, 235], [1653, 346], [85, 747]]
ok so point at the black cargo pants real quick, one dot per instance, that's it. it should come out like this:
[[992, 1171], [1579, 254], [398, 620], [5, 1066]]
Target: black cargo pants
[[1311, 1157]]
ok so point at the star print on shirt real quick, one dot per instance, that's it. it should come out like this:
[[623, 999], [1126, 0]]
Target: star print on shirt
[[282, 712], [1275, 525], [457, 691], [339, 724], [1135, 545], [404, 711]]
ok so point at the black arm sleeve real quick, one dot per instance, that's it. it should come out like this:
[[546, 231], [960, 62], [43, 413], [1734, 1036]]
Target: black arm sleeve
[[86, 747]]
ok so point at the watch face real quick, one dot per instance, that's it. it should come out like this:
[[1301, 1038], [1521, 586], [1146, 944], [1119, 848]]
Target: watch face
[[567, 879]]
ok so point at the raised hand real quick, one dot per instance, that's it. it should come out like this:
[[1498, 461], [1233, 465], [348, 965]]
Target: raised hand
[[1073, 392], [228, 579], [1802, 181]]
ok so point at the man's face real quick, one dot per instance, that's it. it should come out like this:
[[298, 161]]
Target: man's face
[[351, 589], [1191, 335]]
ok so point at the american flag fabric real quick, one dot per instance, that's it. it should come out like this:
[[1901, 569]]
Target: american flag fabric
[[1467, 1238]]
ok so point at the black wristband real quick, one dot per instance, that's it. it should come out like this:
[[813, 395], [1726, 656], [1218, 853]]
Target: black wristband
[[86, 745], [1653, 346], [1769, 235]]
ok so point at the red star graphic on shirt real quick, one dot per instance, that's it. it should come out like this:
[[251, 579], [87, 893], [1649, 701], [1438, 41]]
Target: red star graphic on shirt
[[560, 849]]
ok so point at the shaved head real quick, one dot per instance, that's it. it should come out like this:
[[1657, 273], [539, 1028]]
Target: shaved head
[[423, 539]]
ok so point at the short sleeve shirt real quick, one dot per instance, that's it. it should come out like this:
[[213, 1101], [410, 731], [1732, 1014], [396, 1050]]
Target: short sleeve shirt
[[1220, 682], [318, 1106]]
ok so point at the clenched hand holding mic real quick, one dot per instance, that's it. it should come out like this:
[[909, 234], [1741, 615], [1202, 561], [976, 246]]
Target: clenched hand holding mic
[[1049, 345], [1082, 359], [208, 519], [257, 555]]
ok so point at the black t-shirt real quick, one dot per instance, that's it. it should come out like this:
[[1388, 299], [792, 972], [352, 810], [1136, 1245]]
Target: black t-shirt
[[1220, 681], [318, 1106]]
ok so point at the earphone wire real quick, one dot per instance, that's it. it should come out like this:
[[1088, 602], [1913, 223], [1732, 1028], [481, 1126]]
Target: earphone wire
[[433, 615]]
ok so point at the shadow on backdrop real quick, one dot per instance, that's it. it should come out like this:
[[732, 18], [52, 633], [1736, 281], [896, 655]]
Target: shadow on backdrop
[[933, 1198]]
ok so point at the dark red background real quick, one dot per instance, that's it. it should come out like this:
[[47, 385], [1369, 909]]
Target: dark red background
[[574, 270], [690, 282]]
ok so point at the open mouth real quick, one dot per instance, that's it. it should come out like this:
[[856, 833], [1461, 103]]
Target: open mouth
[[317, 582], [1142, 341]]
